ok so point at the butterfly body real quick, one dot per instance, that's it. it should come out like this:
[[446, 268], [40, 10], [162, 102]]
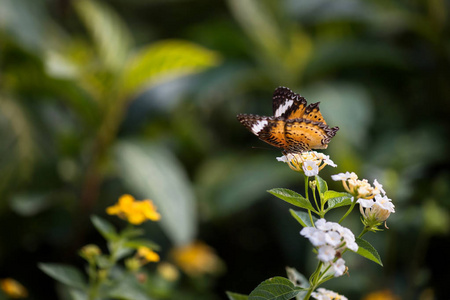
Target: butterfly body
[[294, 127]]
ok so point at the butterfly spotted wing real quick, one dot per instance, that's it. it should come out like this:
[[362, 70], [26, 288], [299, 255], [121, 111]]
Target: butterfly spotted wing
[[294, 127]]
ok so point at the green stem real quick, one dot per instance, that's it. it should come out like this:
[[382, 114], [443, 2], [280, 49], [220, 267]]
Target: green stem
[[307, 198], [348, 211], [313, 280]]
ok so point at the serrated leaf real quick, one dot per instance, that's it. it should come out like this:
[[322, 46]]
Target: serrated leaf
[[321, 184], [104, 227], [236, 296], [165, 60], [336, 199], [152, 172], [366, 250], [302, 217], [276, 288], [65, 274], [291, 197]]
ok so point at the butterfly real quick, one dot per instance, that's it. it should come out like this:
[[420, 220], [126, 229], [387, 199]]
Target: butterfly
[[295, 126]]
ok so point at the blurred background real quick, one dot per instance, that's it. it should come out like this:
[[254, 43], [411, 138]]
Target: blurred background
[[98, 99]]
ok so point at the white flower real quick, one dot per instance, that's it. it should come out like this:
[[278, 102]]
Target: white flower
[[343, 176], [385, 203], [376, 210], [329, 162], [318, 238], [366, 203], [310, 168], [307, 231], [303, 162], [333, 238], [339, 267], [361, 189], [352, 245], [379, 187], [326, 253], [324, 294], [323, 225]]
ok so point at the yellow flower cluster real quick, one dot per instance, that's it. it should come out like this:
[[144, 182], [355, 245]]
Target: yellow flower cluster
[[197, 259], [147, 255], [13, 288], [135, 212]]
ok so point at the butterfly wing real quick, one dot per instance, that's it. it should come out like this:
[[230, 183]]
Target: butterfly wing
[[295, 127], [267, 129], [287, 104], [303, 135], [312, 113]]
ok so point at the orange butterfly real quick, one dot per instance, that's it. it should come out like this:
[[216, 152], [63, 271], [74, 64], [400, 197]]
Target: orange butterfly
[[295, 127]]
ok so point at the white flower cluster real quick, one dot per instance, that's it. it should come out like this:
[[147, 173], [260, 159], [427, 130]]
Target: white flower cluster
[[374, 204], [324, 294], [331, 239], [360, 188], [310, 162]]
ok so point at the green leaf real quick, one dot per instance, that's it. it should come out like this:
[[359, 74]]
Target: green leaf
[[104, 227], [368, 251], [321, 184], [131, 232], [276, 288], [292, 198], [165, 60], [127, 289], [236, 296], [109, 32], [151, 172], [142, 243], [302, 217], [336, 199], [65, 274], [76, 294]]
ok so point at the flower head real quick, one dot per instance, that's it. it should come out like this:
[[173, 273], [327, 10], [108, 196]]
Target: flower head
[[90, 252], [360, 189], [197, 259], [147, 255], [310, 163], [13, 288], [324, 294], [135, 212], [168, 271], [376, 211], [331, 239], [142, 256]]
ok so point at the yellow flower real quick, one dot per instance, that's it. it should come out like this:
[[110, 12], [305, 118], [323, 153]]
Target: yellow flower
[[381, 295], [147, 255], [90, 252], [168, 271], [135, 212], [143, 256], [197, 259], [13, 288]]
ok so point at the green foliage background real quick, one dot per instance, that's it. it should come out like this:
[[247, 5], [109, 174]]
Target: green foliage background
[[103, 98]]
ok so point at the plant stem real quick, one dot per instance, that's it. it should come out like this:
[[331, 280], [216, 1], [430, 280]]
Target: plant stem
[[348, 211]]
